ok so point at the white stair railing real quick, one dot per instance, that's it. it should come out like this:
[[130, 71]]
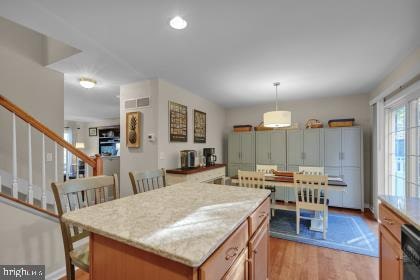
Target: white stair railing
[[58, 141], [30, 178], [14, 159]]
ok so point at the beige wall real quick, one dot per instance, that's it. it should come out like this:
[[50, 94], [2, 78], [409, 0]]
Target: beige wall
[[145, 157], [215, 117], [408, 66], [40, 91], [324, 109], [30, 239]]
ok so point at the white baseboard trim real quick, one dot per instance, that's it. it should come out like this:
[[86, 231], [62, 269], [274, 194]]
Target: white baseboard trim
[[59, 273]]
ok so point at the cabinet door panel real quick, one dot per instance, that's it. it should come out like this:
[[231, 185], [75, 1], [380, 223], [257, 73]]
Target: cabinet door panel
[[233, 169], [262, 147], [335, 197], [352, 198], [247, 167], [259, 254], [239, 270], [278, 147], [332, 146], [294, 147], [390, 254], [311, 144], [234, 148], [351, 146], [248, 147]]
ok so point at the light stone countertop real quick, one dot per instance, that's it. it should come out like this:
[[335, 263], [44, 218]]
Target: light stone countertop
[[406, 207], [185, 222]]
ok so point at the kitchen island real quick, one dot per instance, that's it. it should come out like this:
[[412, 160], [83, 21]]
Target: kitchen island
[[184, 231]]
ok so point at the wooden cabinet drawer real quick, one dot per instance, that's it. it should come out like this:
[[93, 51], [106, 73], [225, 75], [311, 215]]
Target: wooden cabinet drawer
[[239, 270], [391, 221], [223, 258], [258, 216]]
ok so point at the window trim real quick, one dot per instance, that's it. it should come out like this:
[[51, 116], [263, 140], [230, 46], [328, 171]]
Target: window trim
[[404, 98]]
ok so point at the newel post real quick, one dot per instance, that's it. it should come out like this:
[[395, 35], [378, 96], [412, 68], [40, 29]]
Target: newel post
[[98, 169]]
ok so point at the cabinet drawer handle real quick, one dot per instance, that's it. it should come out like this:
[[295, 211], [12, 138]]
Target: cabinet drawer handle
[[398, 258], [255, 251], [231, 253], [262, 215]]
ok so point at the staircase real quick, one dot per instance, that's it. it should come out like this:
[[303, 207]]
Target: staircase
[[22, 190]]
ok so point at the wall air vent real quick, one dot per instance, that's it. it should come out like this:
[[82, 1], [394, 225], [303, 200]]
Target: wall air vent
[[137, 103]]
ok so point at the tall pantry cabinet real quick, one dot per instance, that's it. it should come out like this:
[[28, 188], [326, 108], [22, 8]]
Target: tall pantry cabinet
[[339, 150], [344, 158], [241, 152]]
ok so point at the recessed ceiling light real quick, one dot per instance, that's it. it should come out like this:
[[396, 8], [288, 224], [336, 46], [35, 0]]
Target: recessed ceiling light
[[87, 83], [178, 23]]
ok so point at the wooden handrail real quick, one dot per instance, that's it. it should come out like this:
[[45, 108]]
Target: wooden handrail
[[48, 132], [52, 214]]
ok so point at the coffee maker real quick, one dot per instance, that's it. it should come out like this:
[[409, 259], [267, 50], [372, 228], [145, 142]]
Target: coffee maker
[[210, 156]]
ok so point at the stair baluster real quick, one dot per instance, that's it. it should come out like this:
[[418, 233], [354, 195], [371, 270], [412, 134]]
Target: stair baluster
[[30, 182], [44, 182], [14, 159]]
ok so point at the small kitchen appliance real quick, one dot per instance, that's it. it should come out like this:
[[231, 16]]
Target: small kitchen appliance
[[188, 159], [210, 156]]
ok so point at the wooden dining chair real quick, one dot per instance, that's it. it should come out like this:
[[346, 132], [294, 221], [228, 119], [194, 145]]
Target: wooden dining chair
[[265, 168], [312, 170], [147, 180], [76, 194], [251, 179], [308, 189]]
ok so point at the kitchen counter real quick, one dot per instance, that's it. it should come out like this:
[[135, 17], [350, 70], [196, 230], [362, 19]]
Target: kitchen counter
[[406, 207], [194, 170], [185, 222]]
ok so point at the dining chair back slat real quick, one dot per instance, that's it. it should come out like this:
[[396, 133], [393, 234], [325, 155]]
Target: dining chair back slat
[[147, 180], [251, 179]]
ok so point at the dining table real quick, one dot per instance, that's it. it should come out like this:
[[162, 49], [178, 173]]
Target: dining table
[[272, 181]]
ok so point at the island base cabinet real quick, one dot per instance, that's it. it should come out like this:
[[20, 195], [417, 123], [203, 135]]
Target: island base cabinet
[[390, 256], [239, 270], [110, 259], [259, 254]]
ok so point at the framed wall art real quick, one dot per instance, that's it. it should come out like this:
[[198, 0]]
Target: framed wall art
[[199, 127], [93, 131], [132, 129], [178, 122]]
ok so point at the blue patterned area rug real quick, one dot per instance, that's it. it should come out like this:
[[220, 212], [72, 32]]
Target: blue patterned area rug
[[345, 232]]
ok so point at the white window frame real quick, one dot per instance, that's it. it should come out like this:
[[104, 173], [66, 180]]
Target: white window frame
[[403, 98]]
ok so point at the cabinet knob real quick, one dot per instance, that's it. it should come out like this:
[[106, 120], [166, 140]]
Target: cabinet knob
[[231, 253]]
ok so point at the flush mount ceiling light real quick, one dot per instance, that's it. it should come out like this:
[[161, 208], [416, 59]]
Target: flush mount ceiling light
[[277, 118], [178, 23], [87, 83]]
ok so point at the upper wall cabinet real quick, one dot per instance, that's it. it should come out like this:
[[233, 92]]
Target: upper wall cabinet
[[305, 147], [241, 147], [343, 146], [271, 148]]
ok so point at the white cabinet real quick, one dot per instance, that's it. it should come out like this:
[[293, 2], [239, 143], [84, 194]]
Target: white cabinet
[[241, 152], [343, 158]]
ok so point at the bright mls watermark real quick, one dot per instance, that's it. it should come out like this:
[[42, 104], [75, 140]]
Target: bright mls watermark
[[25, 272]]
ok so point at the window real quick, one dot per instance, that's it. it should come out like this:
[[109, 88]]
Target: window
[[403, 149]]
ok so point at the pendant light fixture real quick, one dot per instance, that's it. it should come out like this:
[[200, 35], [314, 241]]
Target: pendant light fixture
[[79, 144], [277, 118]]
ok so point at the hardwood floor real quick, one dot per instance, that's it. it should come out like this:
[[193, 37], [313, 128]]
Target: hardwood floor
[[290, 260]]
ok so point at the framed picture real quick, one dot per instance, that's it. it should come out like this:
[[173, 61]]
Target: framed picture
[[199, 127], [132, 125], [93, 131], [178, 122]]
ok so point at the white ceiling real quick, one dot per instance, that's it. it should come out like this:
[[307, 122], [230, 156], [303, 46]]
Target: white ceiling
[[231, 51]]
